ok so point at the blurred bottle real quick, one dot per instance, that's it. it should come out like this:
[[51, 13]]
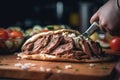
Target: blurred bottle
[[85, 10], [59, 11], [74, 19]]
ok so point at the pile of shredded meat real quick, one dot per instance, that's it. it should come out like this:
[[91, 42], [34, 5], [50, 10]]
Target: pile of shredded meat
[[65, 45]]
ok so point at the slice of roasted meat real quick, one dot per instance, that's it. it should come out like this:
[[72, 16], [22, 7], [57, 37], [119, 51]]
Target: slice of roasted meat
[[40, 43], [86, 48], [53, 43], [63, 48], [65, 45], [95, 47]]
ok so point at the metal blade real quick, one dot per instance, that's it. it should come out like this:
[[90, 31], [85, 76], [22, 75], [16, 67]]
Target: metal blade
[[90, 30]]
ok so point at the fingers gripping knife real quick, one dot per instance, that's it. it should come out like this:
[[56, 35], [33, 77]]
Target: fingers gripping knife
[[94, 26]]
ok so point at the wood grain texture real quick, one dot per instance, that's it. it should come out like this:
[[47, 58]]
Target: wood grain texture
[[112, 52], [79, 71]]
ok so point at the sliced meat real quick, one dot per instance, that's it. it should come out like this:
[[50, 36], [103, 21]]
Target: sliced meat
[[67, 55], [67, 39], [100, 52], [85, 57], [40, 43], [54, 42], [86, 48], [28, 47], [63, 46], [61, 49], [73, 54], [77, 54], [95, 47]]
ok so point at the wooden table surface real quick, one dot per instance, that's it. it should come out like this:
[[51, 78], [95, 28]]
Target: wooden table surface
[[79, 71]]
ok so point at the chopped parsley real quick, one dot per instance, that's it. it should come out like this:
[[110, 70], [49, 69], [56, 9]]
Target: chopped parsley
[[104, 67], [58, 68], [76, 70], [3, 64]]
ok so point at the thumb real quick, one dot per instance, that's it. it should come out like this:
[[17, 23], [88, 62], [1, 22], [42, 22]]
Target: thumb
[[94, 18]]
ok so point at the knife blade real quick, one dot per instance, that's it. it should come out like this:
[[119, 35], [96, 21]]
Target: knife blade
[[94, 26]]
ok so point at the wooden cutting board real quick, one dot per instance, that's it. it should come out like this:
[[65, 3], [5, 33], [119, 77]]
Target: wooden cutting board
[[78, 71]]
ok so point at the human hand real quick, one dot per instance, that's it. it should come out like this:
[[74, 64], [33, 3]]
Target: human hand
[[109, 18]]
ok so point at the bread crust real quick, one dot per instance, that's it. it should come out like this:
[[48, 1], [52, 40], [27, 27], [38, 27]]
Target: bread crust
[[47, 57]]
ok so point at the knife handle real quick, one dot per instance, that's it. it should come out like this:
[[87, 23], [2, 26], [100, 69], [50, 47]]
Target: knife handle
[[94, 26]]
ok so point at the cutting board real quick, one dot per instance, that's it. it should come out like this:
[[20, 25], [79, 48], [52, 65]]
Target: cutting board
[[112, 52], [78, 71]]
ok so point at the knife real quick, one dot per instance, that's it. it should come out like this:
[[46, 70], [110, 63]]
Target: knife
[[94, 26]]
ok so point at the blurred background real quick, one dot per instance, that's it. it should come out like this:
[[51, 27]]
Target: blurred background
[[27, 13]]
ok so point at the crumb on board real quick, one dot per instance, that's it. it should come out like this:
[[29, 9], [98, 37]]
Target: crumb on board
[[68, 66], [24, 66]]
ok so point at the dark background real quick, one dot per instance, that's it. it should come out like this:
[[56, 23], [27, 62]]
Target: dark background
[[27, 13]]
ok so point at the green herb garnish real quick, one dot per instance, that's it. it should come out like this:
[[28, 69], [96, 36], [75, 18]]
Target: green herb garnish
[[104, 67], [76, 70], [3, 64], [57, 67]]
